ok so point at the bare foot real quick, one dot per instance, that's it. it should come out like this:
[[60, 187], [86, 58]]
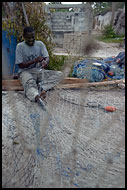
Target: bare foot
[[43, 94]]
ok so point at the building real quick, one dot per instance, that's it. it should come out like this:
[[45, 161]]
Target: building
[[104, 19]]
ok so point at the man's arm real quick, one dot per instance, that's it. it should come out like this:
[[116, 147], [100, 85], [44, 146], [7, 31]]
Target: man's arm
[[28, 63]]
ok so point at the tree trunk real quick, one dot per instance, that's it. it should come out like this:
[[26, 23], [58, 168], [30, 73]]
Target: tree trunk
[[114, 4]]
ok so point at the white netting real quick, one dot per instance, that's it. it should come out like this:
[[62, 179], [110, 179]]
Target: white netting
[[74, 144]]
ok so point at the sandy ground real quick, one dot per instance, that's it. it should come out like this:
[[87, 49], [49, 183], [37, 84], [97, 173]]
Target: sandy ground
[[105, 50], [108, 50], [71, 145]]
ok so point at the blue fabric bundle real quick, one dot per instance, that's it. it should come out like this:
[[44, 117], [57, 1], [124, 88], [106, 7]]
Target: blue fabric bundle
[[95, 73]]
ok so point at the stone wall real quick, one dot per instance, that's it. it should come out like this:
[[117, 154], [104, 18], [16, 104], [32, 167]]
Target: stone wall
[[74, 43], [69, 26]]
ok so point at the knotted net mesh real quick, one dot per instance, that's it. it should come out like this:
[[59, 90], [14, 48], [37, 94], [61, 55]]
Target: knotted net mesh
[[73, 144]]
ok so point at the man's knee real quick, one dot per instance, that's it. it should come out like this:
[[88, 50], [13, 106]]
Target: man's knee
[[25, 77]]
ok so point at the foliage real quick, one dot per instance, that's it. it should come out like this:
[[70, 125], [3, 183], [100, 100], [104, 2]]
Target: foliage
[[37, 19], [3, 13], [101, 7], [111, 40], [109, 36], [108, 32], [56, 62], [71, 71]]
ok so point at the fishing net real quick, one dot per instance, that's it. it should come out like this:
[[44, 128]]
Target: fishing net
[[74, 143]]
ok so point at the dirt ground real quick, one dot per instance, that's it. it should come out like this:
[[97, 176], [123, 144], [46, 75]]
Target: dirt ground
[[74, 144], [105, 50]]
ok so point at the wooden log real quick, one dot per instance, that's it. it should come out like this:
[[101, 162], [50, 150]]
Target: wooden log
[[12, 85], [71, 80], [13, 82], [67, 80], [92, 84], [66, 83], [12, 88]]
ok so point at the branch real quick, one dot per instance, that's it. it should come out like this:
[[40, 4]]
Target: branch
[[25, 15]]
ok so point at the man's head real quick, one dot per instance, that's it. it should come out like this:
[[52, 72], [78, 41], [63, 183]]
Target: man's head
[[29, 35]]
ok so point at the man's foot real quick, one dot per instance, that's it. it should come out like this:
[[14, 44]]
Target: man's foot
[[41, 102], [43, 94]]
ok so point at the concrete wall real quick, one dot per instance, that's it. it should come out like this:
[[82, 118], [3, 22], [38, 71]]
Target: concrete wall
[[66, 24], [102, 21], [75, 43]]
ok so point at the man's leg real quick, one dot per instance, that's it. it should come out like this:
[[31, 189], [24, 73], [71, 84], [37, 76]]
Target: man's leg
[[47, 79], [28, 81]]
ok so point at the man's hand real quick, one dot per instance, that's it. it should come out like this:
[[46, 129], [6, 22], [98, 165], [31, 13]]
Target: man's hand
[[28, 63], [44, 64], [39, 59]]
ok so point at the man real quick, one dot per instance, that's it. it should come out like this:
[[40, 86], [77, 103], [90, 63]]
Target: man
[[32, 58]]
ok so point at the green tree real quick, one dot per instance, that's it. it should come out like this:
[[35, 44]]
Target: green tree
[[101, 7], [37, 19]]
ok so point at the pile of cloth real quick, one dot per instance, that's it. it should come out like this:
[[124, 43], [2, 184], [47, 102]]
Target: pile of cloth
[[96, 70]]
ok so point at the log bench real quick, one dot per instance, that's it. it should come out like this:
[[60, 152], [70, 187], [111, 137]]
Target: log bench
[[11, 84]]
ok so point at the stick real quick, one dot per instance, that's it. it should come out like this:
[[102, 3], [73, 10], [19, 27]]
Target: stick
[[72, 80], [92, 84], [25, 15]]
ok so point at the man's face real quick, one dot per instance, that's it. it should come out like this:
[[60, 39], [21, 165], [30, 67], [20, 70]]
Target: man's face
[[30, 38]]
